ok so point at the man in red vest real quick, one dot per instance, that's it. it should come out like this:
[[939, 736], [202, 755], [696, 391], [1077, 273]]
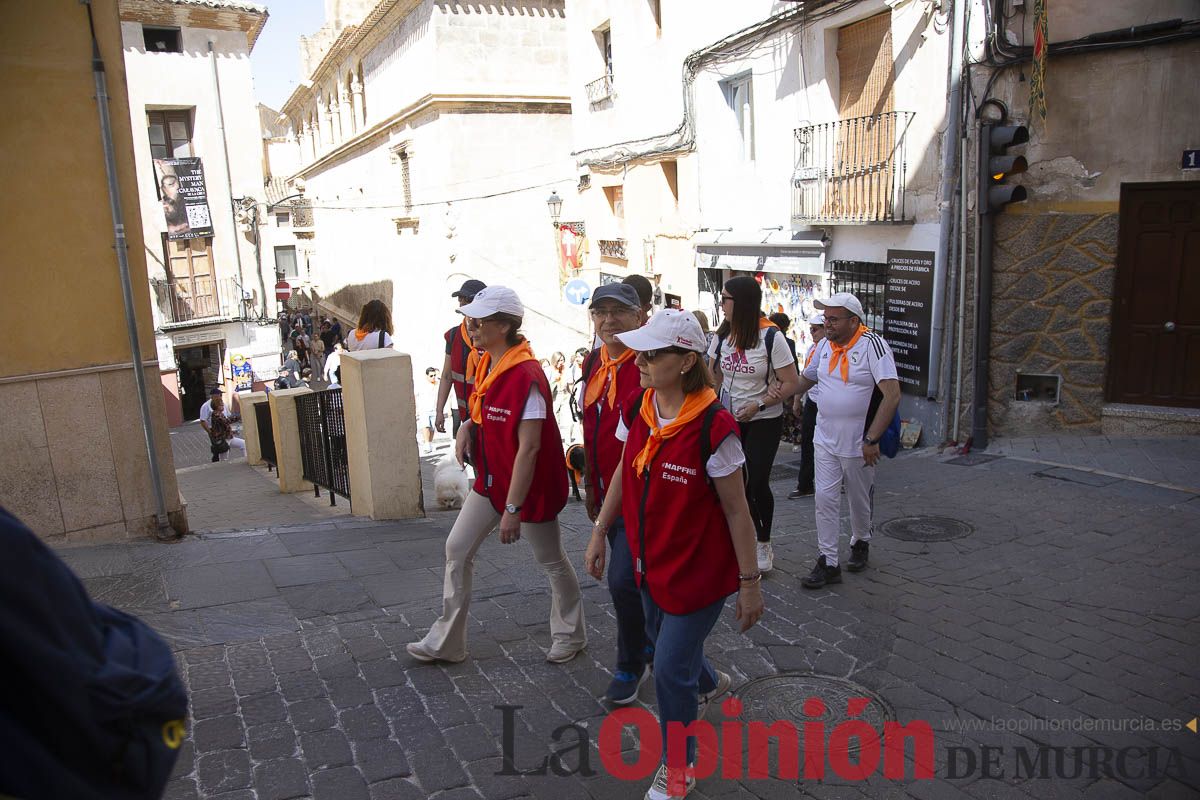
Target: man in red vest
[[458, 370]]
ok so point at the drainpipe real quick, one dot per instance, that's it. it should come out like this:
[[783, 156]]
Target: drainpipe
[[983, 310], [162, 522], [946, 208], [237, 246]]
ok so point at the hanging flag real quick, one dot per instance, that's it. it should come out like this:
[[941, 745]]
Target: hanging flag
[[1037, 84]]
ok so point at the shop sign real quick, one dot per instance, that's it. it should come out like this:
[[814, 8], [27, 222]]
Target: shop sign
[[908, 316]]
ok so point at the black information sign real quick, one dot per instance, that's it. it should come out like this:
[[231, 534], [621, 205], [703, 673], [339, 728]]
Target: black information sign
[[184, 198], [908, 318]]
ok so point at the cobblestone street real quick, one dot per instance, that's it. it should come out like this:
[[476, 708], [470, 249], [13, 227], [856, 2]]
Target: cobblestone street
[[1070, 602]]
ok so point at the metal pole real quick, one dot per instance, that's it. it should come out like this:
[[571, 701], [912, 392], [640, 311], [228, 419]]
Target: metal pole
[[983, 310], [946, 194], [237, 247], [161, 519], [962, 290]]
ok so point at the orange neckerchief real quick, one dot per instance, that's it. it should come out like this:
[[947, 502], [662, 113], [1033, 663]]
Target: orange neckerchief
[[360, 334], [606, 372], [517, 354], [839, 353], [693, 406], [811, 351], [472, 356]]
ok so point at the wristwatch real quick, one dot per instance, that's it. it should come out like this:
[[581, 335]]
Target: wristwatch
[[510, 508], [870, 441], [762, 406]]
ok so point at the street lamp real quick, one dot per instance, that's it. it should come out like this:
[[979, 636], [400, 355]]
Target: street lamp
[[554, 204]]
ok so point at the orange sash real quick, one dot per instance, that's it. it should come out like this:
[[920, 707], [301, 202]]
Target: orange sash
[[606, 372], [839, 353], [515, 355], [693, 406]]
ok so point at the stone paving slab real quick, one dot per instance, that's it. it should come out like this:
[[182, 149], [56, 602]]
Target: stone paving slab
[[1068, 616]]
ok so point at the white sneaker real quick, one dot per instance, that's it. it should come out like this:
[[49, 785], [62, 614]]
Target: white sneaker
[[703, 700], [660, 789], [766, 557]]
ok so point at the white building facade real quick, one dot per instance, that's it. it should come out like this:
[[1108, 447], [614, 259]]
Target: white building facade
[[429, 135], [199, 163], [798, 142]]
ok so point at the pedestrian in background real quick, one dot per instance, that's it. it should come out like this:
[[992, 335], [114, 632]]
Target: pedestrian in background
[[458, 368], [333, 365], [790, 428], [805, 408], [757, 373], [290, 371], [374, 330], [220, 430], [645, 292], [612, 382], [681, 494], [520, 482], [427, 397], [702, 318], [855, 372]]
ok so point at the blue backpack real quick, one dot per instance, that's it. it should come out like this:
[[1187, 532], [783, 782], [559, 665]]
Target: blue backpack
[[889, 442], [91, 704]]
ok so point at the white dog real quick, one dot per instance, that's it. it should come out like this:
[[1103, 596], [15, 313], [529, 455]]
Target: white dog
[[450, 483]]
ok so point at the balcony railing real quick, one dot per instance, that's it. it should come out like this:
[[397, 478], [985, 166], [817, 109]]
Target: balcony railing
[[612, 248], [600, 90], [201, 299], [852, 170]]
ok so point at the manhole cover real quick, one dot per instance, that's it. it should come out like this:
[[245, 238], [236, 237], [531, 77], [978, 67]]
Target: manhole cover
[[926, 529], [782, 698]]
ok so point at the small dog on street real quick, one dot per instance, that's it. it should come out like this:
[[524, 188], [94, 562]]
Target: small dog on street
[[450, 483]]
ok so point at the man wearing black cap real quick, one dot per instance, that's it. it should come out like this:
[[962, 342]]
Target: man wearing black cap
[[459, 367]]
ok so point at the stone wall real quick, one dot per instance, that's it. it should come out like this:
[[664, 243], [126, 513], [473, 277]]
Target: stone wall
[[1051, 314]]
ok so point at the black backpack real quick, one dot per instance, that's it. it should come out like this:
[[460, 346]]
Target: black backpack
[[91, 704]]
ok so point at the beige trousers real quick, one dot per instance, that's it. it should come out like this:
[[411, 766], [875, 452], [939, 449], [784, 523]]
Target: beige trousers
[[448, 636]]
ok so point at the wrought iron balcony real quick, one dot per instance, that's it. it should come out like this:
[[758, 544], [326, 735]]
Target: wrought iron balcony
[[612, 248], [600, 90], [852, 170], [196, 300]]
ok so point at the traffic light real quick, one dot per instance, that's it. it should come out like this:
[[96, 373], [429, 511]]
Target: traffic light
[[995, 166]]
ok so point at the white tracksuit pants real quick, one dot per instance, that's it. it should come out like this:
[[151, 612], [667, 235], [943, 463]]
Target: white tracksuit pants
[[829, 472]]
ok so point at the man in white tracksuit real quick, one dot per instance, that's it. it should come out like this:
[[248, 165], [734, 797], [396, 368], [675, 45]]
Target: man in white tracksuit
[[849, 366]]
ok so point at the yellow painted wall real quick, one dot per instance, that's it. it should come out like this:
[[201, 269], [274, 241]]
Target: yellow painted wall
[[60, 290]]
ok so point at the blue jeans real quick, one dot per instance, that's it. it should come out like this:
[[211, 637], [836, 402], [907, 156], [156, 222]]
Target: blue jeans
[[681, 672], [634, 634]]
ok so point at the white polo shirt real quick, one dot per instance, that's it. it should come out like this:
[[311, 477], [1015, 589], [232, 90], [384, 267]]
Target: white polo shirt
[[842, 409]]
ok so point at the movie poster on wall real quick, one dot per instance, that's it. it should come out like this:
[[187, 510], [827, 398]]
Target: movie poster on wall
[[184, 197]]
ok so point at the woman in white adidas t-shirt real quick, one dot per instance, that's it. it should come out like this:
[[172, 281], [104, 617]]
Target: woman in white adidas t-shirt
[[754, 385]]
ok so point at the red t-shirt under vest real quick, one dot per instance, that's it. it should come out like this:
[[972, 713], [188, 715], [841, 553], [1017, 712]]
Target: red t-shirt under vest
[[680, 540], [496, 446], [459, 351], [600, 442]]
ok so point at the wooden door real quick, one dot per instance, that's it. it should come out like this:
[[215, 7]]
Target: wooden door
[[866, 134], [1154, 353], [193, 284]]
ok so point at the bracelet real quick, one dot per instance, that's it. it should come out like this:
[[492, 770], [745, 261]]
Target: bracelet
[[754, 577]]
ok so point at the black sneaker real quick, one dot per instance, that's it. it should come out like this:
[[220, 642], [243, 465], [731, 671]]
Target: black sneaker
[[806, 492], [859, 553], [822, 575]]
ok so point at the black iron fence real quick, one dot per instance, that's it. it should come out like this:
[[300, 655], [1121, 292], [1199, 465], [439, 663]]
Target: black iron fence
[[851, 170], [266, 434], [322, 424], [866, 280]]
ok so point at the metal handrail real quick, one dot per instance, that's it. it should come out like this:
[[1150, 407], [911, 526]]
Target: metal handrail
[[851, 170], [323, 456], [600, 89]]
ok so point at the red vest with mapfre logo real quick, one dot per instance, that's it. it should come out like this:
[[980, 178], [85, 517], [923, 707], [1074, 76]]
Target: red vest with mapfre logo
[[600, 442], [496, 446], [681, 545]]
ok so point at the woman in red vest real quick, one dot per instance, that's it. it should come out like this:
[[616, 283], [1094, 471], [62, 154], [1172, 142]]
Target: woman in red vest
[[687, 524], [520, 483]]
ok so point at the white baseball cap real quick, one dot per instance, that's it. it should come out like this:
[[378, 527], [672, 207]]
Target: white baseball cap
[[493, 300], [668, 328], [817, 319], [842, 300]]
